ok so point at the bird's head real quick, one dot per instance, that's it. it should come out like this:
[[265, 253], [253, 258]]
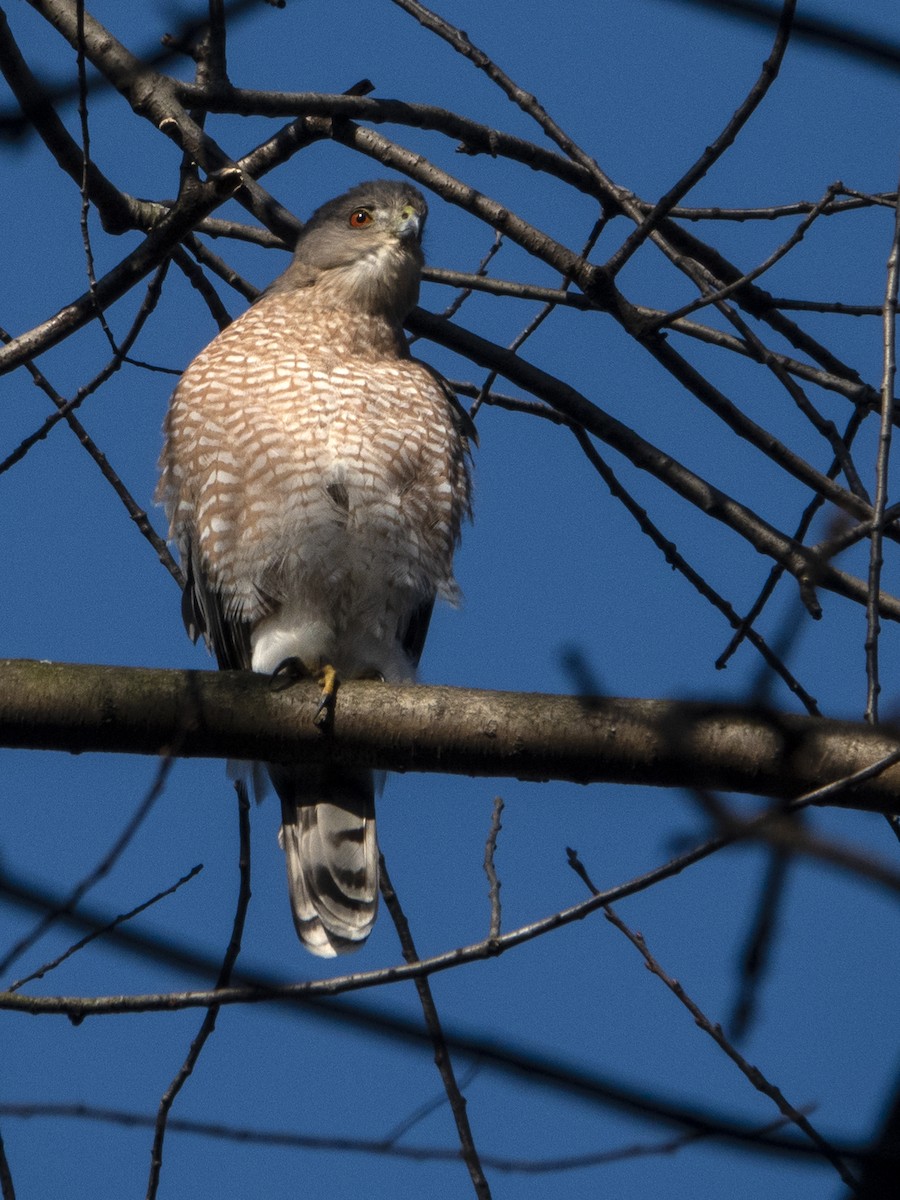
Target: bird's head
[[363, 250]]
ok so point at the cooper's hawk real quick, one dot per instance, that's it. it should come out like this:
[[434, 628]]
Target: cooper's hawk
[[315, 478]]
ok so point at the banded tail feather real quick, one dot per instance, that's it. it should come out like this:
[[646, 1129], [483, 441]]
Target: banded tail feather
[[328, 837]]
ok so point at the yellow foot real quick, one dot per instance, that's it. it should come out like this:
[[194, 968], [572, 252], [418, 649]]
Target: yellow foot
[[328, 681]]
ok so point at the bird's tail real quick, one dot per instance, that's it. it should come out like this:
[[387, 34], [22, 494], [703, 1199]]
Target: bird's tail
[[328, 837]]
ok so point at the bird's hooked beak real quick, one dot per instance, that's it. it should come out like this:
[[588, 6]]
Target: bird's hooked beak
[[409, 225]]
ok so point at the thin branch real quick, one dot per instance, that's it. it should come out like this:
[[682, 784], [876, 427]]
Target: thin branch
[[219, 267], [105, 929], [118, 211], [83, 182], [701, 262], [716, 148], [776, 212], [7, 1190], [393, 1136], [823, 550], [212, 1013], [840, 537], [829, 306], [714, 296], [66, 412], [825, 428], [490, 848], [100, 871], [759, 942], [433, 1024], [286, 1139], [481, 276], [889, 329], [538, 319], [751, 431], [834, 35], [858, 393], [750, 1072], [159, 52], [619, 198], [693, 577], [111, 287], [201, 284]]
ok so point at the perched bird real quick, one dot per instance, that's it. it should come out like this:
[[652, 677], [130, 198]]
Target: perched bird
[[315, 477]]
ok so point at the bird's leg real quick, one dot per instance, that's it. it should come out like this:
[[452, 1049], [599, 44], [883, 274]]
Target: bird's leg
[[289, 671], [328, 681]]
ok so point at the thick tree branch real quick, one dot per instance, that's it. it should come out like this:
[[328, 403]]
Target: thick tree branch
[[56, 706]]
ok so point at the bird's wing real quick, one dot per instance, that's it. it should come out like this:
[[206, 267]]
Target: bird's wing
[[412, 638], [204, 612]]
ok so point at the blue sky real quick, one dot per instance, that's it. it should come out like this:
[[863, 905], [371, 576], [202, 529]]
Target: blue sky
[[551, 563]]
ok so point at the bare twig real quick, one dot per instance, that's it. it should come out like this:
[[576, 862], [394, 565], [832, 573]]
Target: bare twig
[[102, 869], [759, 942], [753, 1074], [618, 198], [65, 412], [490, 870], [824, 551], [693, 577], [289, 1139], [480, 274], [889, 329], [750, 1072], [108, 928], [198, 280], [84, 182], [441, 1053], [115, 283], [118, 211], [716, 148], [722, 293], [209, 1021], [393, 1136], [538, 319], [219, 267], [828, 306], [7, 1190]]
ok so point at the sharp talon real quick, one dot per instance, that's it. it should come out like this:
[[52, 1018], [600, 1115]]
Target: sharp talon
[[289, 671], [327, 677]]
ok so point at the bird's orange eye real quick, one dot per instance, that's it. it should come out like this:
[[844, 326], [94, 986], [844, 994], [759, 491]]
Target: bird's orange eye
[[360, 218]]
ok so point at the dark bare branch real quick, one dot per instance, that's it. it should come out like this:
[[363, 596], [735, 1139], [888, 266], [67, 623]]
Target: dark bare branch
[[501, 734]]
